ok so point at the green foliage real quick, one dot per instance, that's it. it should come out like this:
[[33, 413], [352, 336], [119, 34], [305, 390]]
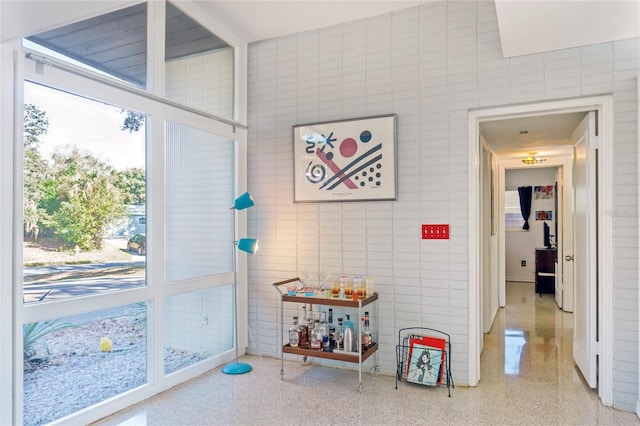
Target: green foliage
[[36, 124], [32, 333], [133, 121], [132, 184], [89, 198], [75, 196]]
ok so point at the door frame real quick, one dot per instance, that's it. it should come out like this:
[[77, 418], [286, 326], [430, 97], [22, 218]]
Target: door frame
[[604, 107], [563, 163]]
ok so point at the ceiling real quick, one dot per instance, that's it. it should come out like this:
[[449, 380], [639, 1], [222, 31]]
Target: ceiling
[[547, 135], [116, 42]]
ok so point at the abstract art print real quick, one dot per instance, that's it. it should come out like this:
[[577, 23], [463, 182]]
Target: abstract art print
[[543, 192], [544, 214], [348, 160]]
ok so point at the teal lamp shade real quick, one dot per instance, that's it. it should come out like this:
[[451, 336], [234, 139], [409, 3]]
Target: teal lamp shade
[[248, 245], [243, 202]]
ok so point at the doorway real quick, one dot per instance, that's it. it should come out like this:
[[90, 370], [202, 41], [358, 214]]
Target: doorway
[[478, 261]]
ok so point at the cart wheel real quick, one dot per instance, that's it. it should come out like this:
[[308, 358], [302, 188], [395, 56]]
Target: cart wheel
[[375, 370], [305, 360]]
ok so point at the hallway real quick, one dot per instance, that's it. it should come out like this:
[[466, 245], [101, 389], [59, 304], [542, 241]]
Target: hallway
[[528, 378]]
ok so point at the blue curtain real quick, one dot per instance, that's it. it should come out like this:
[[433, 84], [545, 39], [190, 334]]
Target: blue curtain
[[525, 192]]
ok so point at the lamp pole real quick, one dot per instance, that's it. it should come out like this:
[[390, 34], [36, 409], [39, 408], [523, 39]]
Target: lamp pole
[[236, 367]]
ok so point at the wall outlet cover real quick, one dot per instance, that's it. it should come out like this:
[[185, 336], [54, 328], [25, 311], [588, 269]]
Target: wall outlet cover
[[435, 232]]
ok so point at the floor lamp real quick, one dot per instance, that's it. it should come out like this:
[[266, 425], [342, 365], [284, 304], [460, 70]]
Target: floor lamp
[[248, 245]]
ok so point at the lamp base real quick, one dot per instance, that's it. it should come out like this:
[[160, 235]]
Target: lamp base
[[236, 368]]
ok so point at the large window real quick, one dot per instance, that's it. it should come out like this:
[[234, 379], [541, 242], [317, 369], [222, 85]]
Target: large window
[[84, 196], [128, 231], [199, 193], [199, 243]]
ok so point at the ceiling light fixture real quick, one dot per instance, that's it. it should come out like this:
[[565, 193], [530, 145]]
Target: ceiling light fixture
[[533, 159]]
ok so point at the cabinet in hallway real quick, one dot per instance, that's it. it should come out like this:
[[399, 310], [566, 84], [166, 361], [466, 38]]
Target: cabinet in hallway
[[545, 271]]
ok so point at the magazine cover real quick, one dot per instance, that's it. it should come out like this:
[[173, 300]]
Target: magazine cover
[[424, 365], [428, 342]]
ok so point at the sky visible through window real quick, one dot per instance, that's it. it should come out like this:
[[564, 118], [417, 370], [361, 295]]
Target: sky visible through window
[[87, 124]]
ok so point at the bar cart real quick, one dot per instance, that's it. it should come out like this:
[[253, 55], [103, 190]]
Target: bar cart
[[358, 357]]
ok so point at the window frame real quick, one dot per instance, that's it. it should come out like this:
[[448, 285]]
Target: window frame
[[12, 312]]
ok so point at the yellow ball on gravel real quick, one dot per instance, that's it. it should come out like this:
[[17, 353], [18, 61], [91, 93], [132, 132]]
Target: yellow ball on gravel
[[105, 344]]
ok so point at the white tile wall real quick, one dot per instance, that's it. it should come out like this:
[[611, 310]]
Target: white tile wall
[[429, 65]]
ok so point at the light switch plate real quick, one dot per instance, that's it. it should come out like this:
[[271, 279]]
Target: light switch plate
[[435, 232]]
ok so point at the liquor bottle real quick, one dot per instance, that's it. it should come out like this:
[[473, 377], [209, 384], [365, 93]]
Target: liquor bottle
[[316, 336], [348, 323], [366, 333], [332, 327], [310, 323], [304, 330], [294, 334], [338, 336], [324, 331]]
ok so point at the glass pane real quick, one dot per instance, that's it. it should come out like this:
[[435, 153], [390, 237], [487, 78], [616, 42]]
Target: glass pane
[[84, 193], [74, 362], [198, 325], [114, 43], [199, 65], [513, 216], [199, 194]]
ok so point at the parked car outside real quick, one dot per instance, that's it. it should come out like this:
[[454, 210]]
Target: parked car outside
[[138, 244]]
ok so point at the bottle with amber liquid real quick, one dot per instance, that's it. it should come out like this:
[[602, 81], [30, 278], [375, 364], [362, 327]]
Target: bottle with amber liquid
[[366, 333], [304, 330]]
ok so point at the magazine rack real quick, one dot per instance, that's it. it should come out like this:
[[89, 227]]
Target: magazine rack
[[423, 357]]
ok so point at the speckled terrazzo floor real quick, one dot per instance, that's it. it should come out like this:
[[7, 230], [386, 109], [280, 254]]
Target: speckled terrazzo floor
[[528, 378]]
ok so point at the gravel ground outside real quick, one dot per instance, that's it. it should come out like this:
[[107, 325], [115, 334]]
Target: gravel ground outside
[[76, 374]]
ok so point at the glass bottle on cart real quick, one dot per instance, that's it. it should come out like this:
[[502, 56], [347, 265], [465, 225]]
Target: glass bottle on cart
[[304, 330], [338, 336], [366, 333], [324, 329], [294, 334]]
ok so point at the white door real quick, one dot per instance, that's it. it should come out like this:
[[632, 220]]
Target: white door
[[560, 245], [584, 246]]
